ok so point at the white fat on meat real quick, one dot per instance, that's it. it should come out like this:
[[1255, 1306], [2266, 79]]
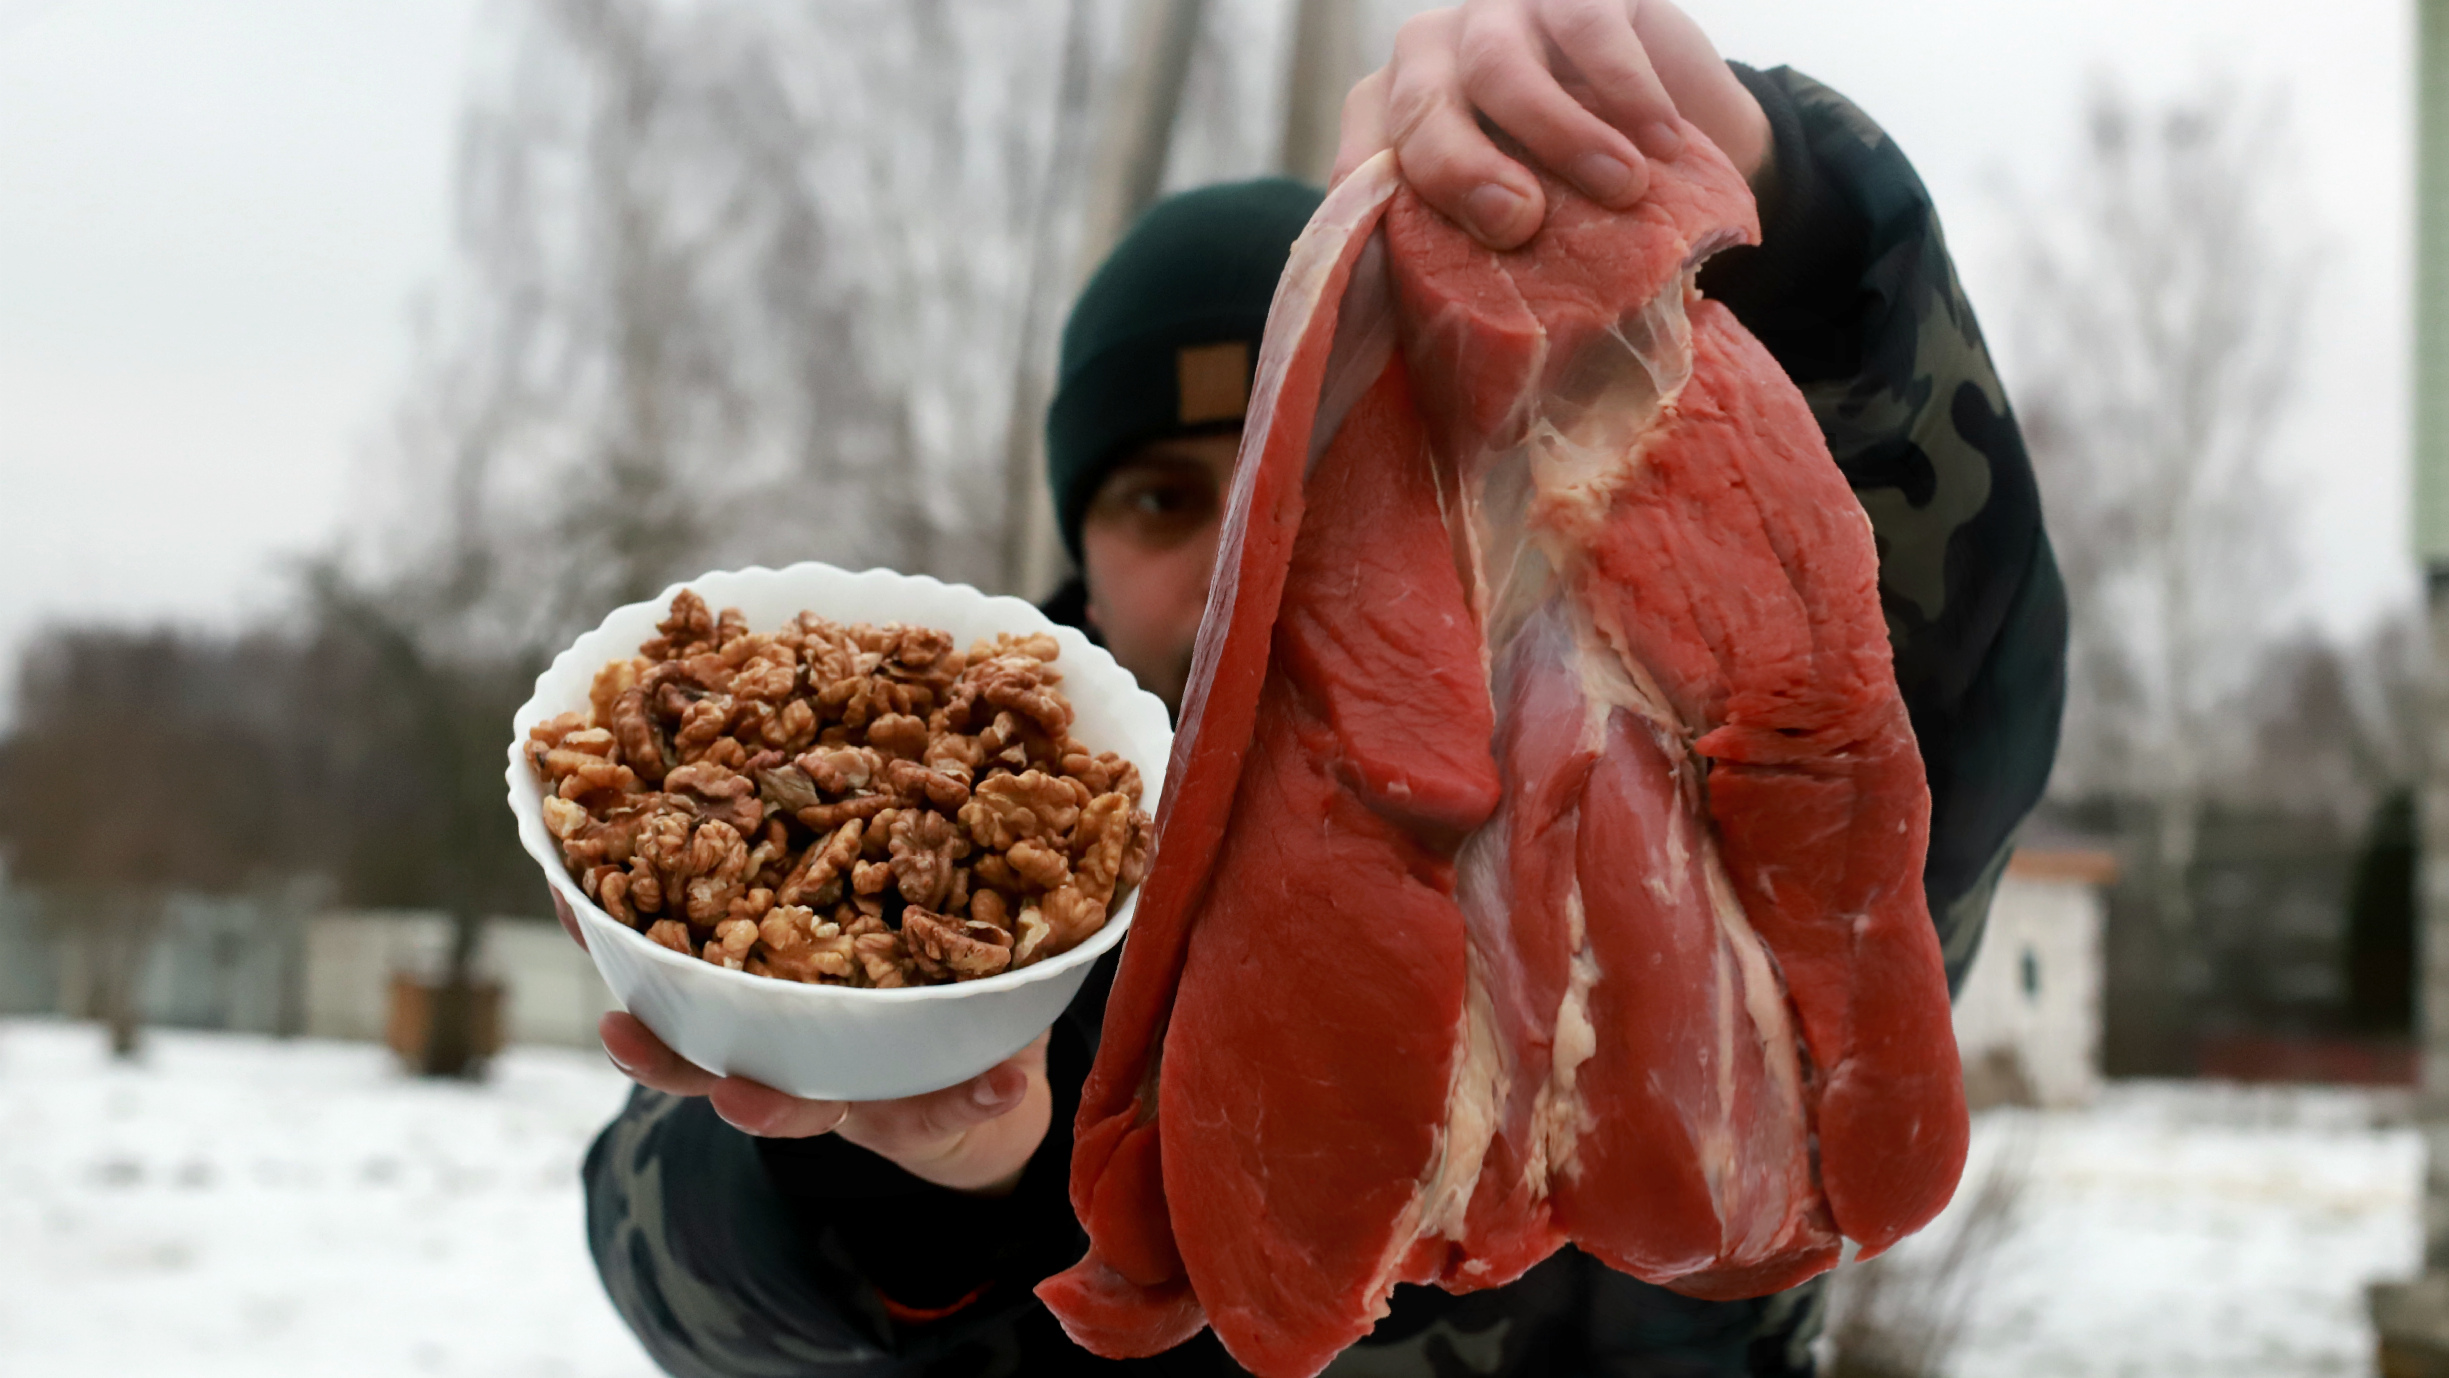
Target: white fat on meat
[[1482, 1076], [1752, 1226], [1558, 1112], [1580, 439]]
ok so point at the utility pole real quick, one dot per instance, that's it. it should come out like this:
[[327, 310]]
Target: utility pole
[[2413, 1317], [1133, 146]]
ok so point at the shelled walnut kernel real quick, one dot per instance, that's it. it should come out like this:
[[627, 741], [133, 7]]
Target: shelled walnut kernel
[[846, 804]]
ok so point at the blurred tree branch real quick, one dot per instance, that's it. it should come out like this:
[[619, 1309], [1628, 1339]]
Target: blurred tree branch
[[732, 282], [2161, 340]]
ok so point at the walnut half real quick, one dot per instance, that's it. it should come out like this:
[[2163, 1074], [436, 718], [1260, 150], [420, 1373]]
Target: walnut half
[[859, 804]]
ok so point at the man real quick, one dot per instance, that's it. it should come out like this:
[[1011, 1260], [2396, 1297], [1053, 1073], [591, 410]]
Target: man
[[741, 1231]]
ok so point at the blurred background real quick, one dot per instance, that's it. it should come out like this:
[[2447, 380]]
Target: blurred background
[[352, 358]]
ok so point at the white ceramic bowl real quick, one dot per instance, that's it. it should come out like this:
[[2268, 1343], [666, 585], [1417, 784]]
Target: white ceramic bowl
[[839, 1042]]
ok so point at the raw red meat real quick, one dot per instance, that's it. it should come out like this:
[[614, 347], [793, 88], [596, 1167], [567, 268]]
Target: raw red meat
[[1542, 862]]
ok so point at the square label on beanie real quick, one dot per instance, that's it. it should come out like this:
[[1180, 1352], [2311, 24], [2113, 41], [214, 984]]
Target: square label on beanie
[[1213, 381]]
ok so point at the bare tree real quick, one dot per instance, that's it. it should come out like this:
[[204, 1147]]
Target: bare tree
[[412, 731], [2158, 345], [142, 763], [747, 281], [736, 282], [733, 281], [743, 281], [2328, 726]]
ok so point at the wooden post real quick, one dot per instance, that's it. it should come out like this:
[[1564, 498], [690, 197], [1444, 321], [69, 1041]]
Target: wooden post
[[451, 1044], [1325, 63]]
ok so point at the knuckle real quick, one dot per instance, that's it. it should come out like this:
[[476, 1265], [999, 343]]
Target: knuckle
[[1409, 108], [1421, 33], [1581, 22], [1485, 55]]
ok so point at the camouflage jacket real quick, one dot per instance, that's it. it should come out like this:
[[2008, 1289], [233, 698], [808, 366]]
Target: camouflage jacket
[[738, 1258]]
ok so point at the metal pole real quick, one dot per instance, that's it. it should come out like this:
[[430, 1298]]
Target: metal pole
[[2431, 407], [2432, 936], [2413, 1318]]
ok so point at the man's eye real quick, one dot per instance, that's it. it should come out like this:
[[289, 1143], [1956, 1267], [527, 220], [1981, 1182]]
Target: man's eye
[[1163, 500], [1157, 504]]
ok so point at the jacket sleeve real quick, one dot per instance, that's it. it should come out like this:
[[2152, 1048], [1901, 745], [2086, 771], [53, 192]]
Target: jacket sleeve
[[696, 1250], [1852, 290], [731, 1256]]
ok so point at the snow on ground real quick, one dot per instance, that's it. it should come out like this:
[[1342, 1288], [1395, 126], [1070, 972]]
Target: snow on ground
[[233, 1205], [2188, 1228]]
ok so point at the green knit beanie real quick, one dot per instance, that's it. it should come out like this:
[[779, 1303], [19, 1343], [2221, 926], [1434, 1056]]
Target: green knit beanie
[[1165, 337]]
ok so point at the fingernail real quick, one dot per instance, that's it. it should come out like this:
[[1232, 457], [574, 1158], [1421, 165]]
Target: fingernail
[[1662, 140], [746, 1124], [988, 1091], [1493, 208], [1604, 178]]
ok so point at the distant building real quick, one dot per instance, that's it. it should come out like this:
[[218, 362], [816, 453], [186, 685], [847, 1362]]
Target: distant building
[[2028, 1019]]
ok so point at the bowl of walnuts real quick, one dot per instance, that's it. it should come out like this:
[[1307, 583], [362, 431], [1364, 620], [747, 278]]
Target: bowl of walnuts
[[854, 836]]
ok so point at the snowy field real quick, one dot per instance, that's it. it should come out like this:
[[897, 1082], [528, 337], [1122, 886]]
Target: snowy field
[[236, 1206], [2179, 1229]]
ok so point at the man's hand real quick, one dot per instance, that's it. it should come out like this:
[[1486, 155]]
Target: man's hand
[[974, 1137], [1591, 89]]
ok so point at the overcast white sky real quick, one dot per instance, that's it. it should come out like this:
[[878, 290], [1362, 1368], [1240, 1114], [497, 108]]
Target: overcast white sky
[[214, 217], [1984, 92]]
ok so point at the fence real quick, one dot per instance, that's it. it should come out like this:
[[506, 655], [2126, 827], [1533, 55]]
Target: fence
[[276, 964]]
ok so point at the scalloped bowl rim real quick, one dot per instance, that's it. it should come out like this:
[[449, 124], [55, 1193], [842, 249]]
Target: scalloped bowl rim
[[583, 655]]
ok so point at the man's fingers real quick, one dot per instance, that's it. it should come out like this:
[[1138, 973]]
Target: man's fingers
[[753, 1108], [1707, 93], [746, 1105], [1505, 72], [1591, 90], [921, 1125], [1445, 157], [1597, 39], [644, 1059], [569, 920], [903, 1127]]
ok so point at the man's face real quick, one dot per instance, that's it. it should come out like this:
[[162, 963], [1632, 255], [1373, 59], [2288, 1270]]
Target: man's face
[[1147, 545]]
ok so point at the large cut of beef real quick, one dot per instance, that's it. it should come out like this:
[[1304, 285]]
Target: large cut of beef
[[1543, 858]]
